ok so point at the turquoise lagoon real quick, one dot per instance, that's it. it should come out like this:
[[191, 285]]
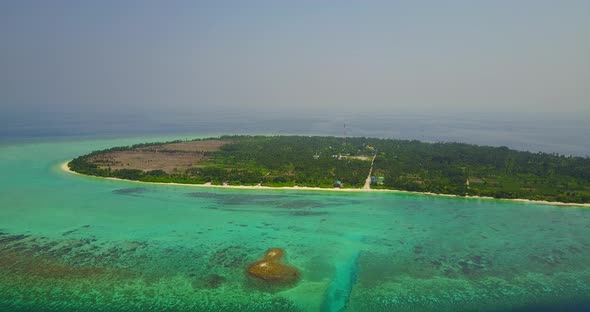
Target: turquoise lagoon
[[70, 242]]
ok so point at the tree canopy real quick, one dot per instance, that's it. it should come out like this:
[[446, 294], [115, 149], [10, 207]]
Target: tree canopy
[[447, 168]]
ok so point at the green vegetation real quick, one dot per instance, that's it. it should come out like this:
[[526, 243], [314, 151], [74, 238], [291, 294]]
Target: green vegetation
[[447, 168], [491, 171]]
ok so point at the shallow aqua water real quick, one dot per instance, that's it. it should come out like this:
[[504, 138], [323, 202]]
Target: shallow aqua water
[[77, 243]]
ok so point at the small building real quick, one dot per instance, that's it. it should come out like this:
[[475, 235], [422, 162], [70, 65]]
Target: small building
[[380, 180], [337, 183], [373, 179]]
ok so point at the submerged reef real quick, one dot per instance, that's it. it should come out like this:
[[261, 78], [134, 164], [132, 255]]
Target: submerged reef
[[74, 271], [271, 270]]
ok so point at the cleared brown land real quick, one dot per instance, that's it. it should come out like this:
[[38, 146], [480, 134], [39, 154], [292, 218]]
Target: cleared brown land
[[166, 157], [190, 146]]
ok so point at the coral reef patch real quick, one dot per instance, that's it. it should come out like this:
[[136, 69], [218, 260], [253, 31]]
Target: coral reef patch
[[272, 270]]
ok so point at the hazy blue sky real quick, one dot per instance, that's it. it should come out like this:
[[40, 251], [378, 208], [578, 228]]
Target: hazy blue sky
[[289, 56]]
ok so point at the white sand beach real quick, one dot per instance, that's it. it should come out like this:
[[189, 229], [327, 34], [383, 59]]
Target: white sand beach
[[64, 167]]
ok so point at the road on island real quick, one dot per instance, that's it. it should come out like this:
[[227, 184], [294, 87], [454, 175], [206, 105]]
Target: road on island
[[367, 185]]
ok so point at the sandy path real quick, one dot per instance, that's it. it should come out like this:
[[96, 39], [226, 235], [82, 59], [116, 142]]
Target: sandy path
[[367, 185]]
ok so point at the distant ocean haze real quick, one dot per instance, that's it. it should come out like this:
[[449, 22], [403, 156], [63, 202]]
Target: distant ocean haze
[[546, 133]]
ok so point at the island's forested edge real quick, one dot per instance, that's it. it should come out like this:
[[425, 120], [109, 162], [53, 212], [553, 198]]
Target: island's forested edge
[[445, 168]]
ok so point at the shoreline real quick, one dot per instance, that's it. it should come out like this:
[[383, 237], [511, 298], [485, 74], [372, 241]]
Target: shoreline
[[64, 167]]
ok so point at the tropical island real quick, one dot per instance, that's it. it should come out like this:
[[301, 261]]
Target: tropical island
[[348, 163]]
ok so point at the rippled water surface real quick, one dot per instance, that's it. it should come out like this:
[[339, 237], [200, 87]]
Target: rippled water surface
[[76, 243]]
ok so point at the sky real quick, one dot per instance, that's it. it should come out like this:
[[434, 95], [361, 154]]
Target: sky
[[294, 57]]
